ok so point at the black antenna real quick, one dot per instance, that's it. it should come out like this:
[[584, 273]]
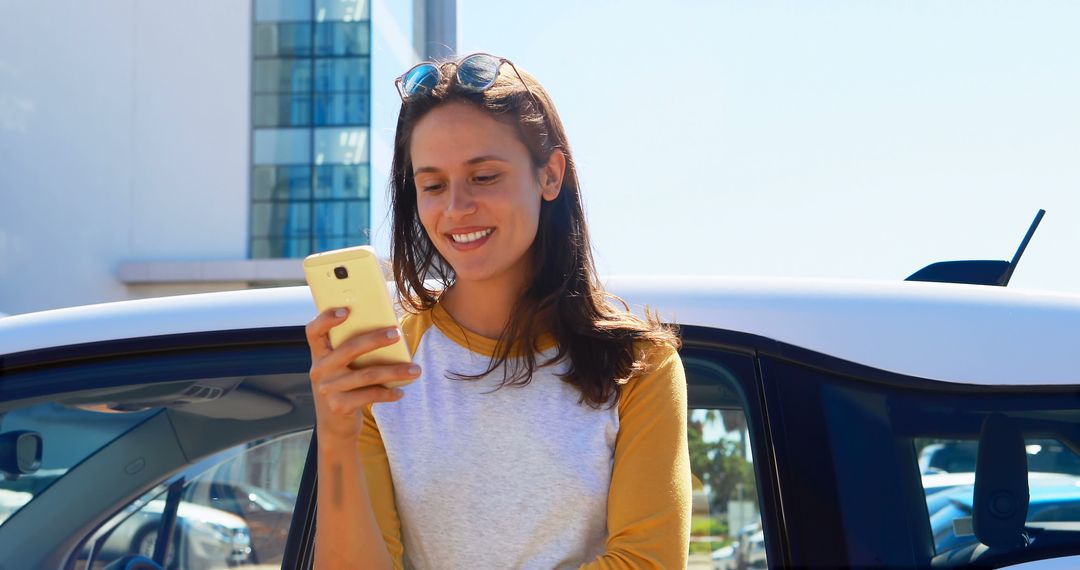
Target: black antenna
[[977, 272], [1019, 252]]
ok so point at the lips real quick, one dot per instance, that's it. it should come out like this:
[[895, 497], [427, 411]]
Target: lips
[[466, 239]]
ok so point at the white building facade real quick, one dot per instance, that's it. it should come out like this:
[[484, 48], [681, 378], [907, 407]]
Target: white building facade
[[152, 149]]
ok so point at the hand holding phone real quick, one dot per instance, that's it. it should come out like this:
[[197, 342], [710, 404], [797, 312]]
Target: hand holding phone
[[351, 278]]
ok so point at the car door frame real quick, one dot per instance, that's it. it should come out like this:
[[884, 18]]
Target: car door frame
[[46, 373]]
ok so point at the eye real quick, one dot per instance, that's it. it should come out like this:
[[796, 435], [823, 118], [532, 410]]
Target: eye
[[486, 178], [430, 187]]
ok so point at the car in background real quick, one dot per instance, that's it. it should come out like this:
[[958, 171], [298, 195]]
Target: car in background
[[16, 492], [1053, 502], [203, 537], [265, 515], [11, 501], [1044, 455], [746, 552], [940, 488], [723, 558], [950, 457]]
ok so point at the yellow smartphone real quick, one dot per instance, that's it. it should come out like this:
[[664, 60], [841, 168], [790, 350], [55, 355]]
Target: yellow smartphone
[[351, 278]]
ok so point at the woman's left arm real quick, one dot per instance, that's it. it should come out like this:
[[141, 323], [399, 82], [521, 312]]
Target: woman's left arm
[[649, 500]]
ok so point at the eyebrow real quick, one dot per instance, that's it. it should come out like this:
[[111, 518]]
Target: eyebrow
[[471, 161]]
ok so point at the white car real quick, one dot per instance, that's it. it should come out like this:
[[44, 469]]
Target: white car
[[838, 384], [211, 538]]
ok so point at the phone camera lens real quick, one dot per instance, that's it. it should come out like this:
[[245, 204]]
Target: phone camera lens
[[341, 272]]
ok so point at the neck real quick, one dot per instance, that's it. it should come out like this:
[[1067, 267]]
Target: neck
[[482, 307]]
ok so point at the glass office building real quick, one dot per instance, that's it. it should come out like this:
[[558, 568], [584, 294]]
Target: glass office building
[[310, 173]]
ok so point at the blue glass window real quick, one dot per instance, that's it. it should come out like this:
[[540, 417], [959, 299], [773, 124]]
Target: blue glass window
[[281, 110], [341, 181], [344, 10], [289, 219], [343, 74], [342, 38], [281, 75], [311, 101], [282, 146], [283, 39], [282, 10], [339, 109], [281, 183]]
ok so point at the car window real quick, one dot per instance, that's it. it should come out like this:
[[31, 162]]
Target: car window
[[1053, 479], [152, 412], [69, 435], [726, 531], [858, 443], [236, 512]]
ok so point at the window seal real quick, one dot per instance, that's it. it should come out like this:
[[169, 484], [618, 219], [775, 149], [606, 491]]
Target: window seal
[[58, 355]]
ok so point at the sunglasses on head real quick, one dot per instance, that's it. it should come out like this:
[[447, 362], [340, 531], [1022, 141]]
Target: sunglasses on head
[[475, 73]]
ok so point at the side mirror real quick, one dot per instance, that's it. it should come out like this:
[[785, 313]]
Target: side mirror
[[20, 453]]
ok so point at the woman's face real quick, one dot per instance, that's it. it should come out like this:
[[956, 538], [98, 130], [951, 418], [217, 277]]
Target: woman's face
[[478, 193]]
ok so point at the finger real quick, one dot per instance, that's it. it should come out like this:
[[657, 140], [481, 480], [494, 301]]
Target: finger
[[360, 345], [348, 403], [318, 330], [370, 376]]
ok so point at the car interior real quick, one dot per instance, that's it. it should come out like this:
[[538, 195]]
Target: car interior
[[187, 422], [1000, 505]]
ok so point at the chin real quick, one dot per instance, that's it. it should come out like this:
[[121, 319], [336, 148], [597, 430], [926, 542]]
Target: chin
[[473, 275], [479, 272]]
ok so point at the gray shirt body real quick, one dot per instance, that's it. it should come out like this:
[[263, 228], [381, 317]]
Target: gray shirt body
[[511, 478]]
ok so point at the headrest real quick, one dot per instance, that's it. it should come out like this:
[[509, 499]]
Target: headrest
[[1001, 484]]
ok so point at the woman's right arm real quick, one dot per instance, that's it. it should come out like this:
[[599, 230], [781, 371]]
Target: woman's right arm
[[347, 534]]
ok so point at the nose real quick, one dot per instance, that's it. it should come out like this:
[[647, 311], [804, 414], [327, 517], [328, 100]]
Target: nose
[[460, 201]]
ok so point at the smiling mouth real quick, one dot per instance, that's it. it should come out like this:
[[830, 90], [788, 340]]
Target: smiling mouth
[[471, 237]]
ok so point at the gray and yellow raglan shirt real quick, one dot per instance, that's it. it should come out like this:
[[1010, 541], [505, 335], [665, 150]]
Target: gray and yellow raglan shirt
[[462, 475]]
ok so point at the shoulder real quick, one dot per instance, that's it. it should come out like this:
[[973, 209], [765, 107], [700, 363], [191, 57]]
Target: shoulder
[[660, 378], [413, 326], [656, 355]]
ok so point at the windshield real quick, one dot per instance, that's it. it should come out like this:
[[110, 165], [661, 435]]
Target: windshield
[[69, 435]]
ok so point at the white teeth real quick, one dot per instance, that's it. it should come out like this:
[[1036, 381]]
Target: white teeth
[[466, 238]]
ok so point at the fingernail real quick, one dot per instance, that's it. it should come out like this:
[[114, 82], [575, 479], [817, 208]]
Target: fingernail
[[341, 313], [414, 369], [398, 392], [392, 333]]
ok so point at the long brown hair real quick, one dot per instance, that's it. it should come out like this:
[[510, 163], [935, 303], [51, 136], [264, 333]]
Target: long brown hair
[[606, 345]]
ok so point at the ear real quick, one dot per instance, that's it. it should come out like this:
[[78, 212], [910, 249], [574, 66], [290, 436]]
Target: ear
[[551, 175]]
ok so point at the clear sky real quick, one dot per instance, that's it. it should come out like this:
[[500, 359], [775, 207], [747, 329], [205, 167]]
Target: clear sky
[[829, 139]]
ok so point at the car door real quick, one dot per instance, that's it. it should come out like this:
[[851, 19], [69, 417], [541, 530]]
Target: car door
[[847, 441], [189, 448]]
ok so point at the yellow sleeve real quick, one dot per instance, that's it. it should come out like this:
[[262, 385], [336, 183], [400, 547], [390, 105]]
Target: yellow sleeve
[[649, 500], [381, 486], [377, 466]]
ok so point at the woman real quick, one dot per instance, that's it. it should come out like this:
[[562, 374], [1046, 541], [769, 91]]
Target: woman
[[544, 428]]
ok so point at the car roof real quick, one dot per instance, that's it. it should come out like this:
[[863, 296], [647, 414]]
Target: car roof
[[956, 333]]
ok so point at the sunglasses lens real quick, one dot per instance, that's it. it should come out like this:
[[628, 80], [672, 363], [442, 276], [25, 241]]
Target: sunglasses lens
[[420, 79], [478, 72]]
